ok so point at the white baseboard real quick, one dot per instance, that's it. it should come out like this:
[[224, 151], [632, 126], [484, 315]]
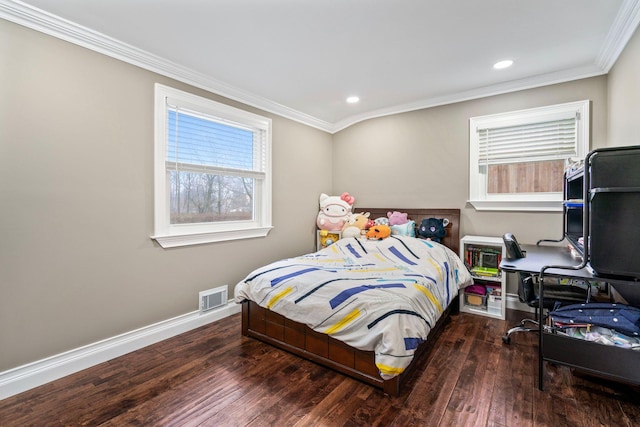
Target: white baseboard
[[513, 302], [40, 372]]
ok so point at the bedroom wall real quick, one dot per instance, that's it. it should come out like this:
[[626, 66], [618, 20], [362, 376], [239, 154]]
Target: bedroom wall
[[624, 96], [76, 186], [421, 158]]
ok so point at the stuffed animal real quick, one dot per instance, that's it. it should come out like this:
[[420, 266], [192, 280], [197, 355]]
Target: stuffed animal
[[433, 228], [355, 224], [379, 232], [334, 211], [397, 218], [383, 220], [327, 238]]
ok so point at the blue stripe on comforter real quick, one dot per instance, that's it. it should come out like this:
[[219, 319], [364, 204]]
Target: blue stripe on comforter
[[344, 295], [279, 279], [397, 253]]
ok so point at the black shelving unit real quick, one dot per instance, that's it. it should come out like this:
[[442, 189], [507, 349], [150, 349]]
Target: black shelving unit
[[602, 202], [613, 201]]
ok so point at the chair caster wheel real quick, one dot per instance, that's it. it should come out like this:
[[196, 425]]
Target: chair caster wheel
[[506, 339]]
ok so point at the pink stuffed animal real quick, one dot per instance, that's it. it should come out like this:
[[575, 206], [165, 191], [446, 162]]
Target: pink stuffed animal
[[334, 211], [397, 218]]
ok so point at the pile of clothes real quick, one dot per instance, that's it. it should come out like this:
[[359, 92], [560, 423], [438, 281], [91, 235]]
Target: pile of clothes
[[605, 323]]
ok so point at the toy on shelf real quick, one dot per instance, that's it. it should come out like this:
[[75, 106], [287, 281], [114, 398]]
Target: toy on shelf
[[327, 238], [334, 211]]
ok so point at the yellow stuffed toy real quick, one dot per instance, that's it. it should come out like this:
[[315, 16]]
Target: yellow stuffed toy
[[379, 232], [327, 238]]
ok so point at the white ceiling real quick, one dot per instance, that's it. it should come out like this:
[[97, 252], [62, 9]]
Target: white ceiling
[[302, 58]]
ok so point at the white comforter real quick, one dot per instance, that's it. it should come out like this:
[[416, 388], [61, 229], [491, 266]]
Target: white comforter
[[383, 296]]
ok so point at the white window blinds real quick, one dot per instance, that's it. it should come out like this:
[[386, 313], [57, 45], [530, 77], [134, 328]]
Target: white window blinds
[[529, 142], [515, 145], [206, 144]]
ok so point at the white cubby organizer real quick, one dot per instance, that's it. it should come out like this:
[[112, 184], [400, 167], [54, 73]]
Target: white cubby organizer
[[482, 256]]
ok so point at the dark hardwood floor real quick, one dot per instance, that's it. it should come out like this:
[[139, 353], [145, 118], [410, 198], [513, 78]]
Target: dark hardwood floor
[[212, 376]]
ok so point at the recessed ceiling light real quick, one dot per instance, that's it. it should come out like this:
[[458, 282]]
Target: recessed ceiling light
[[503, 64], [353, 99]]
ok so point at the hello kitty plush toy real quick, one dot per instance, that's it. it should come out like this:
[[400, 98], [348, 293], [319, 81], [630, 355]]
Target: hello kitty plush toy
[[334, 211]]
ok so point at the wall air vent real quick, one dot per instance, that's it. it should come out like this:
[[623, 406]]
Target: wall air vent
[[213, 298]]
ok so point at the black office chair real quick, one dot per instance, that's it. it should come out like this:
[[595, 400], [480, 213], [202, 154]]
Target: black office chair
[[555, 294]]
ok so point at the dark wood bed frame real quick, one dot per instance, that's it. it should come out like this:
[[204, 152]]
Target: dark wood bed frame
[[299, 339]]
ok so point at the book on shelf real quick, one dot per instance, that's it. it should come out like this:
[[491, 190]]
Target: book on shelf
[[485, 271], [483, 260]]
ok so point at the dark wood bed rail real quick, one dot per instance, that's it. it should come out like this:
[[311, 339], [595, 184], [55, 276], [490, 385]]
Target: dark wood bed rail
[[275, 329]]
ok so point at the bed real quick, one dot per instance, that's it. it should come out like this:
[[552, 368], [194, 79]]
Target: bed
[[365, 308]]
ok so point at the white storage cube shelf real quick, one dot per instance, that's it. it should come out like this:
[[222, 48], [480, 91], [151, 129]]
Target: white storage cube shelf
[[482, 256]]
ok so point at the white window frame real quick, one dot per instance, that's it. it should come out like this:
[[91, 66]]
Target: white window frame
[[172, 235], [551, 201]]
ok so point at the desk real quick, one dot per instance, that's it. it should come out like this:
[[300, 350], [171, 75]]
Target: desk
[[602, 360], [539, 256]]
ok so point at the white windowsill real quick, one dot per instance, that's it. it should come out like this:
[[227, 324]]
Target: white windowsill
[[513, 205], [172, 241]]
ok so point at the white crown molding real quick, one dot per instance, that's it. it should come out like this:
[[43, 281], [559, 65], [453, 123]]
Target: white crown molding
[[621, 31], [39, 20], [483, 92], [26, 377], [627, 20]]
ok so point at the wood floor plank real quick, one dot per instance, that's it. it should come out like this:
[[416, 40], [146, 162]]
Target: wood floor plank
[[432, 392], [513, 390], [212, 376], [471, 400]]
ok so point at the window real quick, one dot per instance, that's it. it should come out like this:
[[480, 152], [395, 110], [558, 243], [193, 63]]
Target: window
[[517, 159], [212, 171]]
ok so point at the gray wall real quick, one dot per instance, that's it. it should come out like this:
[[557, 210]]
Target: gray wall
[[624, 97], [76, 187]]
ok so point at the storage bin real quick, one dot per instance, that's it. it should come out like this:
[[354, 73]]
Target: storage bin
[[475, 300]]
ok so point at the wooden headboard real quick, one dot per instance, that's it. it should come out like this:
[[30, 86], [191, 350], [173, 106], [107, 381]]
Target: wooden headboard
[[451, 239]]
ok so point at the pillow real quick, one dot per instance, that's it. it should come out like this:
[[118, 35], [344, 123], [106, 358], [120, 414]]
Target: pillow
[[408, 229]]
